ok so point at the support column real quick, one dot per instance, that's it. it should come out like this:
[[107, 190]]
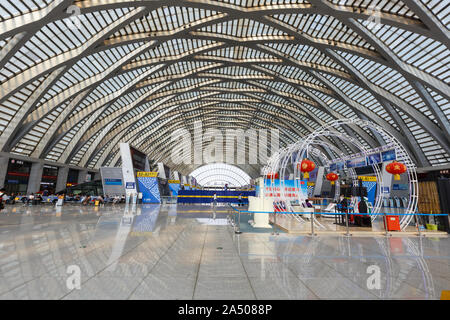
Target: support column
[[147, 164], [319, 182], [161, 171], [34, 182], [4, 161], [82, 176], [127, 169], [61, 181]]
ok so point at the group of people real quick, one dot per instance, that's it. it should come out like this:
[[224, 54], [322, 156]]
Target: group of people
[[362, 219], [40, 197]]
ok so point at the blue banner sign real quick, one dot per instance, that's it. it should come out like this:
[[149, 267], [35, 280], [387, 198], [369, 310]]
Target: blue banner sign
[[113, 182], [130, 185]]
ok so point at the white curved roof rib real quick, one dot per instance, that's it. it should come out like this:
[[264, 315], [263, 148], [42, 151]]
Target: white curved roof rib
[[77, 77]]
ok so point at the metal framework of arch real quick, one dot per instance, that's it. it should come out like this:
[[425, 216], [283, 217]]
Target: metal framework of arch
[[73, 86]]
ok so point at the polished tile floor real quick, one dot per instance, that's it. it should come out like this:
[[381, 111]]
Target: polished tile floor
[[165, 252]]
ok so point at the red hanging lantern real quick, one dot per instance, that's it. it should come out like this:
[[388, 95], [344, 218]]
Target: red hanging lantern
[[332, 177], [272, 176], [306, 166], [396, 168]]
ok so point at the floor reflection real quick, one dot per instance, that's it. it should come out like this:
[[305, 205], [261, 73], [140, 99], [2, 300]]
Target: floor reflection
[[164, 252]]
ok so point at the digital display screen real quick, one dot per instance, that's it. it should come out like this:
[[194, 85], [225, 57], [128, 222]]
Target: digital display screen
[[333, 167], [373, 158], [388, 155], [357, 162], [340, 166]]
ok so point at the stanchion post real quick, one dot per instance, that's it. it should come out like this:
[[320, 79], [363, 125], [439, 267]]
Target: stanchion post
[[347, 234], [238, 231], [418, 226], [312, 224], [274, 223], [387, 234]]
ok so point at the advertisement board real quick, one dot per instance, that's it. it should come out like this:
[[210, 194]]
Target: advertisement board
[[148, 185], [292, 188], [174, 186]]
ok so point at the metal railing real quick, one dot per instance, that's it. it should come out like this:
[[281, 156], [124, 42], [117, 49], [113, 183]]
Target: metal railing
[[236, 224]]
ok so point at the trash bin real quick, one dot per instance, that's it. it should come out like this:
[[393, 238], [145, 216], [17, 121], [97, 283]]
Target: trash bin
[[393, 223]]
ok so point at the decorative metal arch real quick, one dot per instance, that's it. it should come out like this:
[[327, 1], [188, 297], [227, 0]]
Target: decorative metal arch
[[302, 149]]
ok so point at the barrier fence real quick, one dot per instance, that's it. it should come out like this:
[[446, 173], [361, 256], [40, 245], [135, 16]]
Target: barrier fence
[[275, 213]]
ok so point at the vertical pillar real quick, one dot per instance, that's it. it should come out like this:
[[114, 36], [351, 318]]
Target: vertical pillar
[[61, 181], [387, 180], [127, 169], [161, 172], [319, 181], [82, 176], [147, 164], [97, 176], [34, 181], [176, 175], [4, 161]]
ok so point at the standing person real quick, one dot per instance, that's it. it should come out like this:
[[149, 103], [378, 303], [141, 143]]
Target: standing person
[[343, 206], [2, 194], [60, 200], [240, 200], [364, 220], [12, 198], [215, 199], [30, 199]]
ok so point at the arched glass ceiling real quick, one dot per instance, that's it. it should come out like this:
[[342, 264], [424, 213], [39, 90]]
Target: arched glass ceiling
[[219, 174], [78, 77]]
